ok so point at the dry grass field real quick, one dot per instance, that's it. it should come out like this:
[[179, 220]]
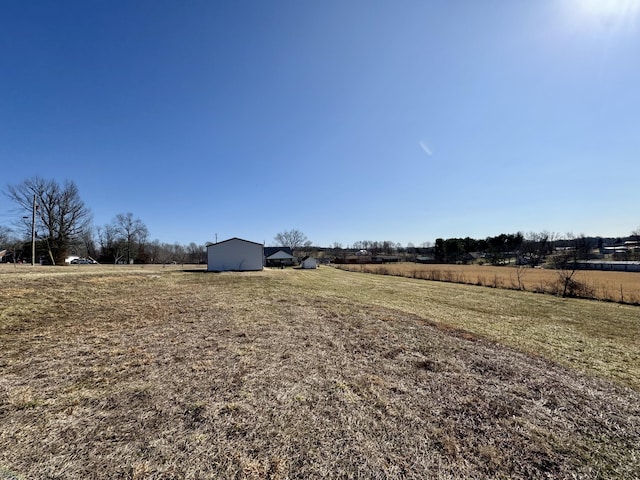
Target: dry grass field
[[621, 287], [150, 372]]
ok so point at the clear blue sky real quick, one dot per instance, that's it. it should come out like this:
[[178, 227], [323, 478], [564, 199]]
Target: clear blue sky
[[349, 120]]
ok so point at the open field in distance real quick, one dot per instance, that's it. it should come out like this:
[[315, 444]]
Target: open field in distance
[[611, 286], [156, 372]]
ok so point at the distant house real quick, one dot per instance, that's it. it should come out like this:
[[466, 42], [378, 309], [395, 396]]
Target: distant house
[[629, 246], [309, 263], [615, 266], [278, 256], [235, 254]]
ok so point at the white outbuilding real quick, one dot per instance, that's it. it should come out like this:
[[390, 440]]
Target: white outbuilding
[[309, 262], [234, 254]]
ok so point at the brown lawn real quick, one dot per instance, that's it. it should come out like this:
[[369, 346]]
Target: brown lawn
[[146, 372]]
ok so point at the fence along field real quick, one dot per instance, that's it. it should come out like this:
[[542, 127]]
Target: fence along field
[[148, 372], [623, 287]]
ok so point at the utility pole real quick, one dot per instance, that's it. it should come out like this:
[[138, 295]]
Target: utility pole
[[33, 232]]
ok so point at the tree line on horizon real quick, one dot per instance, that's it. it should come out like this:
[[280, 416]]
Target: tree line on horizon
[[56, 218], [527, 249]]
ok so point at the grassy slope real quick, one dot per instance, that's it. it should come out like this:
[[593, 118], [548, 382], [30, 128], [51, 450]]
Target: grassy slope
[[594, 337], [143, 373]]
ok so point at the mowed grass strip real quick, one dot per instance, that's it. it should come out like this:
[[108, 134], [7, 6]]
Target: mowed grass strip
[[596, 338], [150, 373]]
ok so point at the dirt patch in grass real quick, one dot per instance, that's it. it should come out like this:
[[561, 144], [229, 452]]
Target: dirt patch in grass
[[181, 375]]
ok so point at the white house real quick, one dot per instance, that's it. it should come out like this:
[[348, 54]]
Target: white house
[[309, 262], [234, 254], [279, 258]]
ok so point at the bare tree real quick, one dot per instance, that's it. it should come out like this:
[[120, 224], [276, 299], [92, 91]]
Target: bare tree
[[155, 252], [536, 247], [566, 272], [196, 253], [61, 216], [566, 264], [178, 252], [520, 272], [5, 236], [132, 233], [111, 248], [88, 245], [293, 239]]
